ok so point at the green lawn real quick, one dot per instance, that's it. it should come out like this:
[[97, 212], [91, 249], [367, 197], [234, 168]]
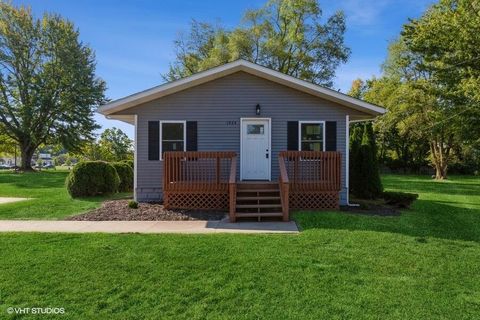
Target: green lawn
[[49, 198], [449, 209], [424, 264]]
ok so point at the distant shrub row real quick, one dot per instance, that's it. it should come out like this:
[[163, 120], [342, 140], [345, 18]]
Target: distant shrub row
[[92, 178]]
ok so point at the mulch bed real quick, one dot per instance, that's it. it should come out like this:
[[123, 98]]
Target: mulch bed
[[118, 210]]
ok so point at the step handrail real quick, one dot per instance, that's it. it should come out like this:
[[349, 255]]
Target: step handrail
[[232, 188], [284, 185]]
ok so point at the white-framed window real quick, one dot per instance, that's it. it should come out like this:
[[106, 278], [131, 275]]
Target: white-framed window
[[311, 135], [173, 136]]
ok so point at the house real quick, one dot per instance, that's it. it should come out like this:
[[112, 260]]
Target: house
[[241, 137], [45, 159], [9, 160]]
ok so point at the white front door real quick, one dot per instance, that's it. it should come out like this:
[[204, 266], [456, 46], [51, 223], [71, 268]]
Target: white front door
[[255, 149]]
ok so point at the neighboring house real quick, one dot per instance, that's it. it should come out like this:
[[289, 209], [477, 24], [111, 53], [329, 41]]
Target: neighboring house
[[9, 160], [45, 158], [256, 114]]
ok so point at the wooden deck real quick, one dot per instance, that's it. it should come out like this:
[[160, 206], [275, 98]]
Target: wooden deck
[[207, 180]]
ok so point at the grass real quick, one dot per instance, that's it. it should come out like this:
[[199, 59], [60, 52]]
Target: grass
[[48, 197], [449, 209], [421, 265]]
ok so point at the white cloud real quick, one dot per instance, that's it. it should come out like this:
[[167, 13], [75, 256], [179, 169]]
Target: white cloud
[[363, 69], [368, 13], [364, 12]]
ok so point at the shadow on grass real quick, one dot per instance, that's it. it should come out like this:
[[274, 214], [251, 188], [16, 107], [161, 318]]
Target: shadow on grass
[[458, 185], [427, 218], [111, 196], [33, 180]]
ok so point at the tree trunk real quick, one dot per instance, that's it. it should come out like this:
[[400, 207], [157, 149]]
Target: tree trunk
[[440, 159], [440, 171], [27, 151]]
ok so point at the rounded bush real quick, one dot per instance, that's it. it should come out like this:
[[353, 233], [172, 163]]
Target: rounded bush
[[91, 178], [125, 172], [129, 162]]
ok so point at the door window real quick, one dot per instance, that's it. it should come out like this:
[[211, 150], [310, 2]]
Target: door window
[[255, 129]]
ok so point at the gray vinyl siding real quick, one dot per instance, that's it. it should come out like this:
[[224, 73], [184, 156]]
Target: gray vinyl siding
[[215, 104]]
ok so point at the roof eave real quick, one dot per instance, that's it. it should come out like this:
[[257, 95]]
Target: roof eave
[[232, 67]]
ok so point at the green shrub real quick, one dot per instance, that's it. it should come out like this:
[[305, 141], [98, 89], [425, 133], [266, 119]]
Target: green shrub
[[129, 162], [399, 199], [133, 204], [91, 178], [355, 142], [365, 178], [125, 172]]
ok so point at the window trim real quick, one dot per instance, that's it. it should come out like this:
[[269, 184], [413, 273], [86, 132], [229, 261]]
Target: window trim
[[322, 122], [184, 122]]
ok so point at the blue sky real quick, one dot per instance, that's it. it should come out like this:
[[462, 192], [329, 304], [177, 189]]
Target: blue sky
[[133, 39]]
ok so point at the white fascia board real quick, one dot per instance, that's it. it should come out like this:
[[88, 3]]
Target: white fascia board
[[130, 119], [232, 67]]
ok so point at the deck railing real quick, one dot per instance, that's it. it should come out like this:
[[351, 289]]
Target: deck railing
[[198, 180], [310, 179], [232, 189], [284, 187]]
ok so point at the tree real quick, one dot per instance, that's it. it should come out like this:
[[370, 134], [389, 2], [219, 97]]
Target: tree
[[419, 112], [365, 180], [284, 35], [48, 87], [446, 41], [7, 144], [115, 145], [356, 135], [447, 36], [399, 136], [358, 88]]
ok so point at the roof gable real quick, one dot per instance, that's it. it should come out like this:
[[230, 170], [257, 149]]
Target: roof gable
[[230, 68]]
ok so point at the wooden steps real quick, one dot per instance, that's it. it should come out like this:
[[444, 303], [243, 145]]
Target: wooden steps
[[258, 205], [255, 215], [258, 200]]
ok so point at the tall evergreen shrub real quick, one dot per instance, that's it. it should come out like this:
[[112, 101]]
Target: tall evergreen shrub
[[365, 177], [354, 165]]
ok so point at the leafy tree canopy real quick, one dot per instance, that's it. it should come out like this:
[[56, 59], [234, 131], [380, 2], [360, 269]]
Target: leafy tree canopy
[[447, 37], [113, 145], [48, 86], [285, 35]]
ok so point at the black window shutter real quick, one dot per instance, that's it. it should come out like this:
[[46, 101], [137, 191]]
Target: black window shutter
[[331, 136], [153, 140], [292, 135], [192, 140]]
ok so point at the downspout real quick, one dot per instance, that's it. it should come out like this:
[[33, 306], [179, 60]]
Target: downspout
[[135, 144], [347, 156]]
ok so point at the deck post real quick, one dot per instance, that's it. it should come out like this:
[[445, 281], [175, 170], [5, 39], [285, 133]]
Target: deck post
[[218, 170]]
